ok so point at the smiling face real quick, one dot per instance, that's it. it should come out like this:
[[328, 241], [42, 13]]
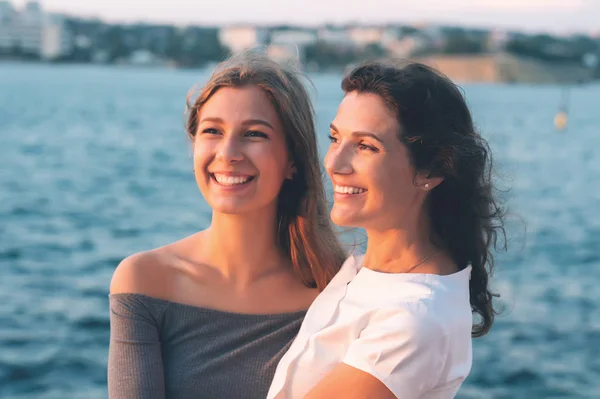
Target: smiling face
[[370, 168], [240, 153]]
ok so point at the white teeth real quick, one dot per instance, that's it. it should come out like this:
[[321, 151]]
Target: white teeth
[[348, 190], [230, 180]]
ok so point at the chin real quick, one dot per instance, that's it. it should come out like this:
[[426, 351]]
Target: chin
[[229, 211], [241, 206], [230, 207], [344, 219]]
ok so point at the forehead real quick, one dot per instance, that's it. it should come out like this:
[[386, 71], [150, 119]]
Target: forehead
[[366, 112], [240, 103]]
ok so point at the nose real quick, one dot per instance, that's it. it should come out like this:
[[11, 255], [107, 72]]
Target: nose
[[229, 150], [338, 160]]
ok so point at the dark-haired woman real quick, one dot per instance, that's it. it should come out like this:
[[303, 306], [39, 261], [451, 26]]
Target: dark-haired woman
[[409, 168]]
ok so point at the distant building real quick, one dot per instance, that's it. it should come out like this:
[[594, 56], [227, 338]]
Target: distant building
[[7, 38], [390, 35], [497, 40], [56, 39], [28, 29], [286, 53], [408, 46], [144, 58], [337, 37], [590, 60], [33, 32], [290, 45], [239, 38], [6, 11], [364, 36], [100, 56], [397, 44], [295, 37], [82, 41]]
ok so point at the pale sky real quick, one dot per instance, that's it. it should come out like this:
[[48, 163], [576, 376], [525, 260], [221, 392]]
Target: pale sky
[[557, 16]]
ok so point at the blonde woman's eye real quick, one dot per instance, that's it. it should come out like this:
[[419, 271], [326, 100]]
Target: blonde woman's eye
[[256, 133]]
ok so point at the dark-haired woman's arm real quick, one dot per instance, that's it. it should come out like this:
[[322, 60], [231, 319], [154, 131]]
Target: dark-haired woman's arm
[[401, 357]]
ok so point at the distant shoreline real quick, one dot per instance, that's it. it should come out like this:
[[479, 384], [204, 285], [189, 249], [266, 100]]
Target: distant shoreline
[[506, 68], [471, 69]]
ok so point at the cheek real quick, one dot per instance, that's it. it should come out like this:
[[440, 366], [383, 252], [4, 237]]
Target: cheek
[[372, 172], [271, 160], [387, 181], [202, 153], [398, 183]]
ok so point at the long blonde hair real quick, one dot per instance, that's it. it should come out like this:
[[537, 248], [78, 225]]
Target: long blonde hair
[[304, 230]]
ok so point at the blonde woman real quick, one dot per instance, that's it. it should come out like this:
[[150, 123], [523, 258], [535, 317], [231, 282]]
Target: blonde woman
[[210, 316]]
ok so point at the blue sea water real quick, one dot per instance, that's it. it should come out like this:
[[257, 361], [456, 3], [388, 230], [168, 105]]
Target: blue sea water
[[95, 165]]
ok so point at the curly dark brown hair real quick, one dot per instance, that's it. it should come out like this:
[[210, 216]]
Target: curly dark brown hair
[[437, 128]]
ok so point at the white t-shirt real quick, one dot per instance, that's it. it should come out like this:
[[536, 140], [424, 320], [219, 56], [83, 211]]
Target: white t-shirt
[[410, 331]]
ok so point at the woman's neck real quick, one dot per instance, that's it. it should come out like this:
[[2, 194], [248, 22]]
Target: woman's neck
[[244, 247], [399, 249]]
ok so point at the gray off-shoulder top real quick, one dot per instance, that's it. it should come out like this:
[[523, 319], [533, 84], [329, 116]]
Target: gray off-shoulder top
[[161, 349]]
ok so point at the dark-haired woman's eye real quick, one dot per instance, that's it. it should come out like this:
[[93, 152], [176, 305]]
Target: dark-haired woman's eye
[[366, 147], [332, 139]]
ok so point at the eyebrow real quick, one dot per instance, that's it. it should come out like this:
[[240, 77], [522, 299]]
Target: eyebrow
[[358, 133], [246, 122]]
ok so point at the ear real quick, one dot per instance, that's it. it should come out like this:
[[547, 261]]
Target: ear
[[291, 171], [428, 183]]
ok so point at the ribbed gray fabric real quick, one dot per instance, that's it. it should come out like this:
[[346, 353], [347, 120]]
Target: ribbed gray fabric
[[161, 349]]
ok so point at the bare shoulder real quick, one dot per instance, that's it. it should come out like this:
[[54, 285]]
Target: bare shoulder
[[141, 273], [152, 272]]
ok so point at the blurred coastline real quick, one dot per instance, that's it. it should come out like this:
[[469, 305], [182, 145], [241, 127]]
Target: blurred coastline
[[464, 54]]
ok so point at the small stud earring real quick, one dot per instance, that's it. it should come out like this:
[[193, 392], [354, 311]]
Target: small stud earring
[[426, 185]]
